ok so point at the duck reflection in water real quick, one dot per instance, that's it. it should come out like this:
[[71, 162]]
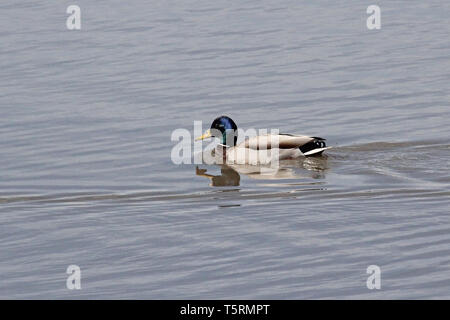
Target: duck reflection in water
[[230, 175]]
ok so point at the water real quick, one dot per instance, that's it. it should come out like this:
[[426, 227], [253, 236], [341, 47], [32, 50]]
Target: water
[[86, 176]]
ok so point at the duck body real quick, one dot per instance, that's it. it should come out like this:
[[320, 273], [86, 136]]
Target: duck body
[[261, 149]]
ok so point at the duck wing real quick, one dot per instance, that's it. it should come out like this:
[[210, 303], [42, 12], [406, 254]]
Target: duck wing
[[282, 141]]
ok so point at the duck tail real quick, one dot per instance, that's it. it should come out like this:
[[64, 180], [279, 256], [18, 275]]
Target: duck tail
[[314, 147]]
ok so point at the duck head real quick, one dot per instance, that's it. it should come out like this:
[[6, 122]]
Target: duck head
[[224, 129]]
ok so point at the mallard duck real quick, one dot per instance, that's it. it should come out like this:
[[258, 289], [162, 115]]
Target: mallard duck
[[262, 149]]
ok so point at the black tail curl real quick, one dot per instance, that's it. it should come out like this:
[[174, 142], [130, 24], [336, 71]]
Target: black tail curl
[[315, 144]]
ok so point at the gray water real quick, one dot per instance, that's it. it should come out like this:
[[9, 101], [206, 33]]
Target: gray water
[[85, 138]]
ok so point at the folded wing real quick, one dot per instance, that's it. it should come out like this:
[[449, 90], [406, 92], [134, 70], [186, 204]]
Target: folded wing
[[282, 141]]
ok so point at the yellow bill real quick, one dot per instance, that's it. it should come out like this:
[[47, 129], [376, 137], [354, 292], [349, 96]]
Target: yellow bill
[[207, 134]]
